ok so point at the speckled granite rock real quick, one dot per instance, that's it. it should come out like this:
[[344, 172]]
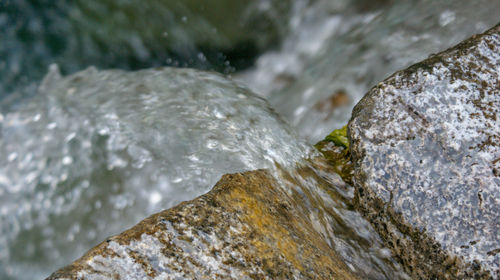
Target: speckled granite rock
[[245, 228], [425, 145]]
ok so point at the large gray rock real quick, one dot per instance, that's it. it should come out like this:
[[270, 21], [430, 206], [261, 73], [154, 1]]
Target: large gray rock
[[425, 144]]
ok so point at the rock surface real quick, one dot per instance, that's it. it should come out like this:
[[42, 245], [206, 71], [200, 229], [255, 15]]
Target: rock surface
[[426, 149], [247, 227], [264, 224]]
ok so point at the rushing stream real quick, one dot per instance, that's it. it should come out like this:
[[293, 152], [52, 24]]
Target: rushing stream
[[96, 152], [88, 155], [336, 51]]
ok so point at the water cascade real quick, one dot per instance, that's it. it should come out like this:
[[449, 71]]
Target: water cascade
[[89, 153]]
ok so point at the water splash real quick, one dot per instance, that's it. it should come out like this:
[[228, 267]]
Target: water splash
[[98, 151]]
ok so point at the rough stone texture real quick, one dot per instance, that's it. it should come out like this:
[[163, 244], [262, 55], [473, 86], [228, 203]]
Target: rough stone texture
[[425, 144], [245, 228]]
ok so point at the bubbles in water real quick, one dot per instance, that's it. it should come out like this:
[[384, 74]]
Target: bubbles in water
[[446, 17], [123, 145]]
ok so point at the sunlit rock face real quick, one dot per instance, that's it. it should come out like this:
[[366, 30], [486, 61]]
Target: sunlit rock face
[[425, 143], [249, 226], [337, 50], [96, 152]]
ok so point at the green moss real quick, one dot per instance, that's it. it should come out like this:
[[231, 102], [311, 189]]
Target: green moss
[[335, 148], [339, 137]]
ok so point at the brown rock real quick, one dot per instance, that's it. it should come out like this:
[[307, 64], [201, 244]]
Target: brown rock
[[247, 227]]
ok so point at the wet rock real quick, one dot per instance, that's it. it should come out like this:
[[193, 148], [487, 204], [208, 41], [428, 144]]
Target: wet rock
[[425, 145], [247, 227]]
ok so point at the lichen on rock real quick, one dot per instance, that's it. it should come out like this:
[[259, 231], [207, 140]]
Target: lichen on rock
[[425, 144], [245, 228]]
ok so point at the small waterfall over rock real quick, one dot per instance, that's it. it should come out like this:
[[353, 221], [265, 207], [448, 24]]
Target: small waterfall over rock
[[97, 151], [88, 154]]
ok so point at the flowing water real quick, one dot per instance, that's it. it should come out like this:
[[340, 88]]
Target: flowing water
[[328, 203], [336, 51], [91, 154], [96, 152]]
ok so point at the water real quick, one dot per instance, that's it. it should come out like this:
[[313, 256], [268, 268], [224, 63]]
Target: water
[[96, 152], [223, 35], [83, 158], [336, 51], [327, 202]]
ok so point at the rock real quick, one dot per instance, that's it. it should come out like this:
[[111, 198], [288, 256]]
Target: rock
[[267, 224], [425, 146], [247, 227]]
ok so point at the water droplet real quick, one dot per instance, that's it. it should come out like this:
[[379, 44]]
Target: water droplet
[[67, 160], [103, 130], [177, 180], [63, 177], [155, 197], [71, 91], [193, 158], [115, 161], [211, 144], [446, 17], [51, 125], [70, 136], [219, 115], [12, 156], [31, 177]]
